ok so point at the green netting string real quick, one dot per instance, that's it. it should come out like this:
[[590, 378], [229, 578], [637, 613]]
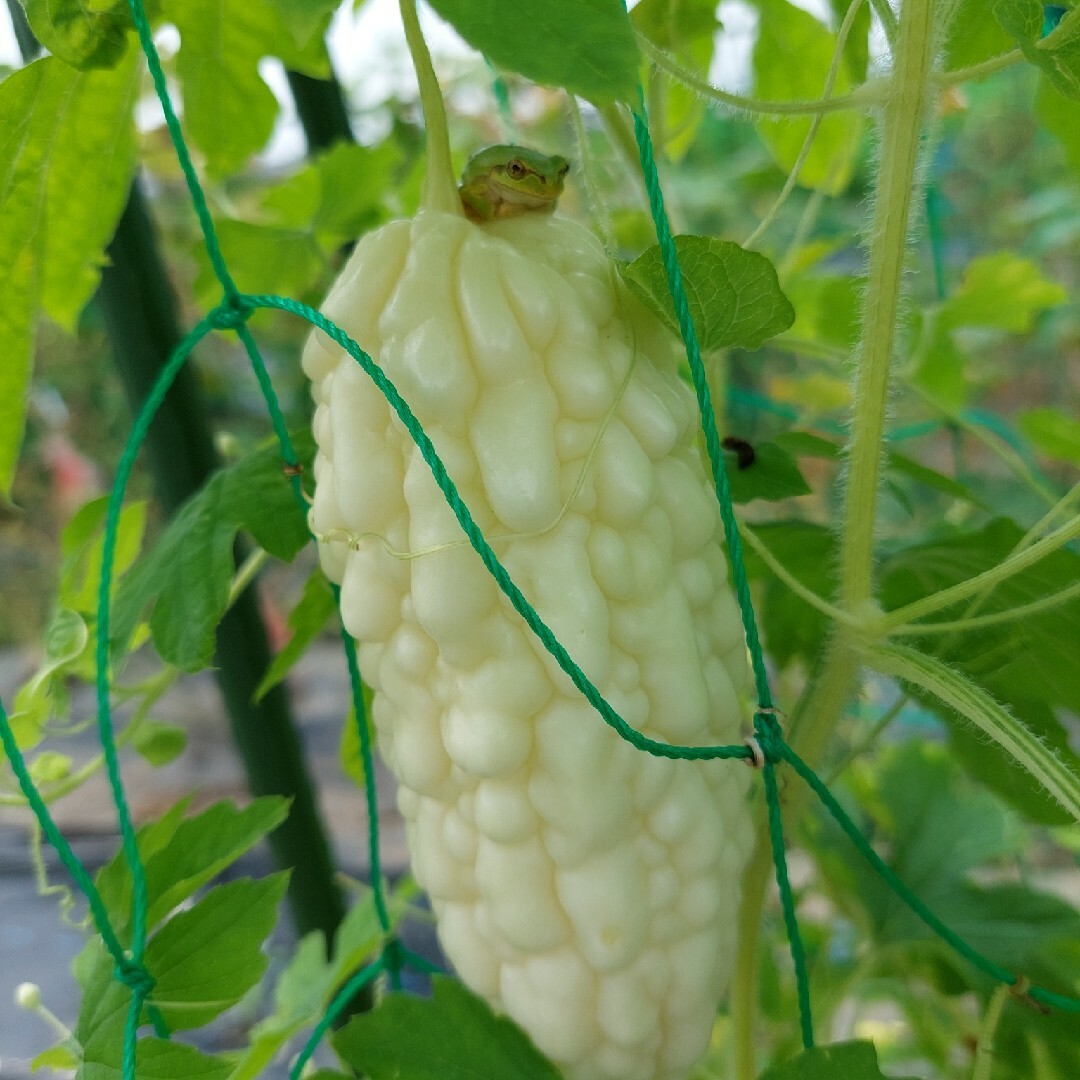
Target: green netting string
[[770, 746], [765, 719], [502, 101]]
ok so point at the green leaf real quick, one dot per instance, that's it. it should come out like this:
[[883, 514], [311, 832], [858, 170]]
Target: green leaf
[[59, 1058], [181, 855], [931, 478], [1058, 115], [229, 111], [308, 983], [857, 49], [841, 1061], [1003, 291], [773, 475], [64, 133], [791, 60], [734, 295], [158, 742], [82, 544], [50, 766], [208, 956], [941, 370], [66, 639], [349, 746], [1038, 645], [1057, 54], [687, 30], [338, 195], [1052, 432], [940, 831], [100, 1032], [792, 628], [82, 33], [306, 18], [161, 1059], [453, 1035], [306, 621], [263, 259], [973, 37], [586, 46], [188, 573]]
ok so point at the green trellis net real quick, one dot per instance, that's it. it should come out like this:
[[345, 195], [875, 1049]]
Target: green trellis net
[[765, 750]]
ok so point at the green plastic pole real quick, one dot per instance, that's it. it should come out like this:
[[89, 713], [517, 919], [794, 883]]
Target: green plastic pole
[[320, 106]]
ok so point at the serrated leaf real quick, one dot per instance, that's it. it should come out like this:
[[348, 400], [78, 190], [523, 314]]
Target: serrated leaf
[[339, 194], [83, 34], [791, 60], [158, 742], [308, 983], [187, 574], [66, 160], [206, 958], [1001, 290], [182, 854], [586, 46], [841, 1061], [1057, 54], [916, 784], [453, 1035], [100, 1033], [734, 295], [772, 475], [82, 543], [161, 1059], [306, 621], [229, 111]]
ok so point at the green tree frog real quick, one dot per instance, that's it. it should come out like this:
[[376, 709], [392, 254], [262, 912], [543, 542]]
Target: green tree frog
[[507, 181]]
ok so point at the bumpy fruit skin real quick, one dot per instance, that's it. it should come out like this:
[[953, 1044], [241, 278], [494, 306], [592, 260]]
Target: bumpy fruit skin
[[583, 887]]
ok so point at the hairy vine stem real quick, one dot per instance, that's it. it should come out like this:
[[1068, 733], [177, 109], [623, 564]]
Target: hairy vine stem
[[909, 93]]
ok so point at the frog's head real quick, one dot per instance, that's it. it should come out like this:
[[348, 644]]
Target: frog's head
[[516, 178]]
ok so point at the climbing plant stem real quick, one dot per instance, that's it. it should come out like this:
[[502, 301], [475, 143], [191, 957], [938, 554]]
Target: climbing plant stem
[[440, 191], [901, 145], [815, 717]]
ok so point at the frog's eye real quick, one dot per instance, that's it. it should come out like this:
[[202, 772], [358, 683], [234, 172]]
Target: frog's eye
[[516, 169]]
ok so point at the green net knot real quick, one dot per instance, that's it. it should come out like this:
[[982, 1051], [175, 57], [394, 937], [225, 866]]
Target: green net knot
[[231, 313], [134, 976], [767, 743]]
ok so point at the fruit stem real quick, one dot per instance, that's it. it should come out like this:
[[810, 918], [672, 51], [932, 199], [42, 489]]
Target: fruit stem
[[440, 190]]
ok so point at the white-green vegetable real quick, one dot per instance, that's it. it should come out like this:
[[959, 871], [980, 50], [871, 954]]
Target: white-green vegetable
[[585, 888]]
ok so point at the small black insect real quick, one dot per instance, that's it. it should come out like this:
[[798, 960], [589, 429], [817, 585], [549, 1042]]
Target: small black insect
[[744, 452]]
